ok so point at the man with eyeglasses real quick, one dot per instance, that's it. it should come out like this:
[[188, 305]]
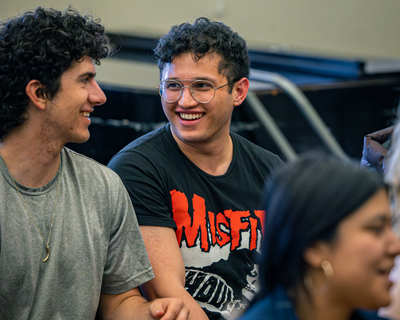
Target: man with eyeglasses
[[196, 186]]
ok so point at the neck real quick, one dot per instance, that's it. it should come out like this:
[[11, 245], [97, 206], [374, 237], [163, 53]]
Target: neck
[[316, 306], [31, 160], [213, 158]]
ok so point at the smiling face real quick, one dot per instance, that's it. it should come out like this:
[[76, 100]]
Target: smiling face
[[195, 123], [363, 254], [67, 114]]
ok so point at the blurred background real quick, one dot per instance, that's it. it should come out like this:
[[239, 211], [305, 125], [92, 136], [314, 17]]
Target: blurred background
[[324, 73]]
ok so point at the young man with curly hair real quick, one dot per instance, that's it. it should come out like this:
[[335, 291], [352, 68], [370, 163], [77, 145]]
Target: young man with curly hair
[[195, 185], [70, 242]]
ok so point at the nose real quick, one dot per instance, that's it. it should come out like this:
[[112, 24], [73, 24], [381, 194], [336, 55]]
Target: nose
[[394, 247], [186, 100], [96, 95]]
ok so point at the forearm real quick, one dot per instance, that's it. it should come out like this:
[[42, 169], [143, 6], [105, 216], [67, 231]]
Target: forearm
[[196, 312], [152, 291], [169, 269], [132, 306]]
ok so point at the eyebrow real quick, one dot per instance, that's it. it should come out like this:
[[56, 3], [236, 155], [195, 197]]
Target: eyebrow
[[196, 78], [381, 218], [87, 74]]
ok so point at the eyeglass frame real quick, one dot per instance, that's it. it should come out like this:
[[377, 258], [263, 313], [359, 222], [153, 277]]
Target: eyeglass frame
[[190, 90]]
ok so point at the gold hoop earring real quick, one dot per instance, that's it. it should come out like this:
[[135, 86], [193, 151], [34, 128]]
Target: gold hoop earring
[[327, 267]]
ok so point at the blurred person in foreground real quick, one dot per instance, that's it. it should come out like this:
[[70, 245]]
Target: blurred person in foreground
[[196, 186], [69, 240], [392, 177], [329, 244]]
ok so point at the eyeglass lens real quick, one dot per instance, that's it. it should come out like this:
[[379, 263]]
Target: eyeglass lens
[[201, 90]]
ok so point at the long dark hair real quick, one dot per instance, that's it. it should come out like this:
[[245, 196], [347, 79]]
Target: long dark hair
[[304, 203]]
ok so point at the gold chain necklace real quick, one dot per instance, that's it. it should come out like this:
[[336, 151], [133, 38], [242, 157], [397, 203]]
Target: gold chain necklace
[[37, 228]]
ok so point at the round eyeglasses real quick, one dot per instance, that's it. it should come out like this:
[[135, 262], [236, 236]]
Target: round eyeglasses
[[203, 91]]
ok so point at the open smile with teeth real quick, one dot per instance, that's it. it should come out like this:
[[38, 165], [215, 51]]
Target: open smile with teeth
[[85, 114], [191, 116]]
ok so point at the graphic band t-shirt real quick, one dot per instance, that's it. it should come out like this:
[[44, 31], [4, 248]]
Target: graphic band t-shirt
[[217, 219]]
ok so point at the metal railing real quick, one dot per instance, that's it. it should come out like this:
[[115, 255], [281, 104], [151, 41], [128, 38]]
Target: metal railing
[[302, 103]]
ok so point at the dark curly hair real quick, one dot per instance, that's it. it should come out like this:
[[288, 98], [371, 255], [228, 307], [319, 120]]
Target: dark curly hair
[[42, 44], [206, 36]]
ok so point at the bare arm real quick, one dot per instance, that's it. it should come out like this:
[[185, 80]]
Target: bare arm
[[169, 270], [131, 305]]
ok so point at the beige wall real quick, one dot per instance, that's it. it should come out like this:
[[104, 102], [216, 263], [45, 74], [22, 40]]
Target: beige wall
[[354, 28]]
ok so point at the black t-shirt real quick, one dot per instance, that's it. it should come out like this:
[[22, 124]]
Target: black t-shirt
[[217, 219]]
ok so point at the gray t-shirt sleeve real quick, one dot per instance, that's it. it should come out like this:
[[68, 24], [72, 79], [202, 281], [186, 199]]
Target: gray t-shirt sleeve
[[127, 265], [95, 243]]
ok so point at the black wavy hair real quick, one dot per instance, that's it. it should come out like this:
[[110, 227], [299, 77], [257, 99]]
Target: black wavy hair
[[304, 203], [206, 36], [42, 44]]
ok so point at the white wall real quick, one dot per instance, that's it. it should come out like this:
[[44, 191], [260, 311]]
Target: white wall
[[353, 28]]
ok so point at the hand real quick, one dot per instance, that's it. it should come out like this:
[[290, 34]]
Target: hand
[[169, 309]]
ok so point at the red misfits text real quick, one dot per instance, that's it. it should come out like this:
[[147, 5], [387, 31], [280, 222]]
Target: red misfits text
[[220, 228]]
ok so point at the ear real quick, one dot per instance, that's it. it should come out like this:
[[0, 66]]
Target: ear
[[240, 89], [316, 254], [34, 91]]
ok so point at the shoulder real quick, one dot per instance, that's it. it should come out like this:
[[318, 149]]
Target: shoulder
[[250, 150], [86, 170], [155, 153]]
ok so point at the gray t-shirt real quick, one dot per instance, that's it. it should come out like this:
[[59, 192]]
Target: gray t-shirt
[[95, 243]]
